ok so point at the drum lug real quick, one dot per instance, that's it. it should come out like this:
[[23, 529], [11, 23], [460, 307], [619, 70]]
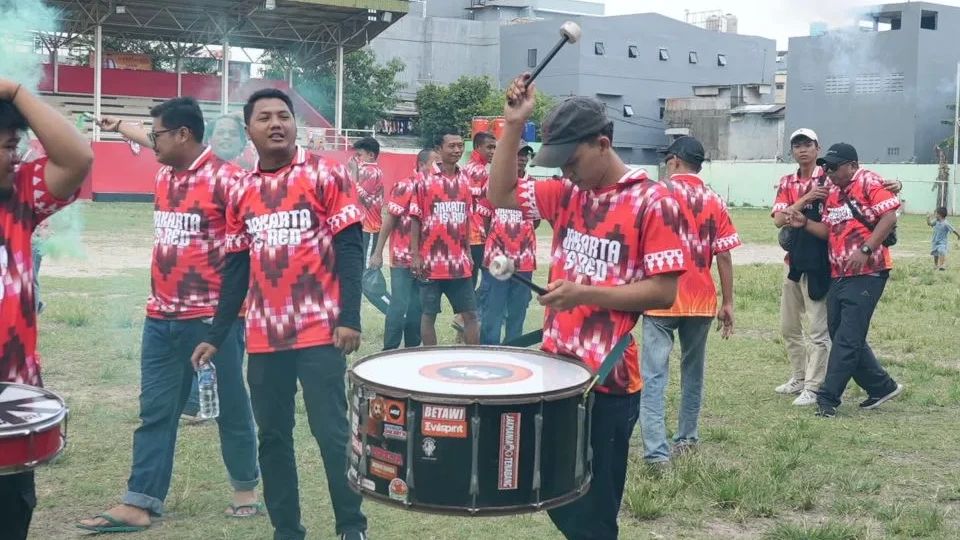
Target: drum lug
[[474, 466], [363, 412], [411, 429], [538, 438], [581, 417]]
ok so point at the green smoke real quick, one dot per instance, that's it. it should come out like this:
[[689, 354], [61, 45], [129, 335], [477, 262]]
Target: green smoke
[[66, 231], [19, 22]]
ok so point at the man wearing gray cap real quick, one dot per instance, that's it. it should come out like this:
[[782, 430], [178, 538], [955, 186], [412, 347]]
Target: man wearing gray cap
[[616, 253]]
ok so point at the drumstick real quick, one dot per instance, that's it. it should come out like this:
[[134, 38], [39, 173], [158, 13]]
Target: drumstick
[[503, 269]]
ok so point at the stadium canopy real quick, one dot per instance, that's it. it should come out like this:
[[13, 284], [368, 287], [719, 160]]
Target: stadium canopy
[[313, 30]]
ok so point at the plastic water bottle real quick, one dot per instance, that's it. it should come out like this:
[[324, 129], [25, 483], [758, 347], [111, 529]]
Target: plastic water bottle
[[207, 386]]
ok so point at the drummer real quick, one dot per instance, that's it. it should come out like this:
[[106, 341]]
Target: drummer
[[616, 253], [30, 192]]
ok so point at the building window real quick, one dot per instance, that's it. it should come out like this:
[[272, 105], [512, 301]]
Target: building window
[[664, 54], [531, 58], [663, 108], [780, 86], [894, 151], [633, 51], [628, 111], [599, 49], [693, 57], [928, 20], [722, 60]]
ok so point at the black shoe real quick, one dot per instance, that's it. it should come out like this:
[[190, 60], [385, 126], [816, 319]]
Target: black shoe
[[826, 411], [874, 402], [354, 535]]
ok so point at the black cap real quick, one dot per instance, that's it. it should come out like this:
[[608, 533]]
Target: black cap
[[525, 149], [839, 154], [571, 121], [688, 149]]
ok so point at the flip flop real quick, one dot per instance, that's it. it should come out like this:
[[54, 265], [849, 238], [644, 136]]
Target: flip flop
[[235, 508], [114, 526]]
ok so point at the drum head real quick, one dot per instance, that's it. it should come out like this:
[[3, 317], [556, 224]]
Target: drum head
[[28, 407], [472, 372]]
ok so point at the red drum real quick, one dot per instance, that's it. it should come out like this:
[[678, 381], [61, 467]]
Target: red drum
[[33, 427], [470, 430]]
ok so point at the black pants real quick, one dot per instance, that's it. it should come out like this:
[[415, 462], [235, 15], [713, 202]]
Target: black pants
[[850, 305], [18, 497], [594, 516], [273, 385], [403, 316], [476, 254]]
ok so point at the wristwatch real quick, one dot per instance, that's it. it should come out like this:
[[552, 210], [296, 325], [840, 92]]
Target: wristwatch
[[865, 249]]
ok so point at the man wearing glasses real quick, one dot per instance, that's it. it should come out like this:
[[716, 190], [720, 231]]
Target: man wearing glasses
[[858, 215], [189, 253]]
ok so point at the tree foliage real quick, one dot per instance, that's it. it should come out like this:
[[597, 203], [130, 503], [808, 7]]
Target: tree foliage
[[455, 105], [370, 88]]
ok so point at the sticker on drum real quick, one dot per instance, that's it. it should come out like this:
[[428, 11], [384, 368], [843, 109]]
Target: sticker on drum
[[398, 490], [32, 427], [480, 372]]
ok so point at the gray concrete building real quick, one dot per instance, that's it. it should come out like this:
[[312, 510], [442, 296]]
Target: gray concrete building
[[883, 85], [634, 63]]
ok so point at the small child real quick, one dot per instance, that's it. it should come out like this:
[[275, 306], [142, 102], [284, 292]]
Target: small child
[[940, 231]]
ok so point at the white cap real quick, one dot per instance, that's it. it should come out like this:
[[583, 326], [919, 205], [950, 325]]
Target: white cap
[[808, 133]]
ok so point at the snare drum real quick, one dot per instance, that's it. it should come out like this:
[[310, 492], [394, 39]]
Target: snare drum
[[470, 430], [33, 427]]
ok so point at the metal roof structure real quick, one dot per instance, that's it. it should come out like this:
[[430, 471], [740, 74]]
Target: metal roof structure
[[313, 29]]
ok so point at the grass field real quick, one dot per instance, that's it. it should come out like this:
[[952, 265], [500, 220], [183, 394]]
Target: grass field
[[765, 469]]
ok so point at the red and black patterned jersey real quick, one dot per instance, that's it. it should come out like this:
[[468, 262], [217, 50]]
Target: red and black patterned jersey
[[27, 206], [608, 237], [444, 206], [370, 192], [476, 171], [190, 237], [287, 219], [709, 232], [512, 235], [398, 204], [792, 187], [867, 194]]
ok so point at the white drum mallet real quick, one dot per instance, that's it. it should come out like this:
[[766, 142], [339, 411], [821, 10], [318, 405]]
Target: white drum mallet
[[570, 33], [503, 268]]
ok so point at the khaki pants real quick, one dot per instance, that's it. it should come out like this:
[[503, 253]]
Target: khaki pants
[[808, 350]]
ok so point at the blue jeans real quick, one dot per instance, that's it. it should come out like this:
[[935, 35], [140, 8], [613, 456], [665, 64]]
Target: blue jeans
[[503, 300], [165, 378], [594, 515], [403, 315], [657, 344]]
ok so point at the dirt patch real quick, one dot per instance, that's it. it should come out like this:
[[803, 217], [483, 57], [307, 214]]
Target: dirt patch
[[103, 257]]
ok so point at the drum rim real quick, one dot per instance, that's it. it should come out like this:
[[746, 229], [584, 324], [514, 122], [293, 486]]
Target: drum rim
[[487, 511], [38, 427], [505, 399]]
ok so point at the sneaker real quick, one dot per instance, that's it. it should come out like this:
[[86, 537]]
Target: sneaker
[[793, 386], [807, 397], [684, 446], [826, 411], [354, 535], [873, 403]]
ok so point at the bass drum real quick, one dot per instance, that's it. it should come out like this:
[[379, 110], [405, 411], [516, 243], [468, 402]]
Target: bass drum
[[470, 430]]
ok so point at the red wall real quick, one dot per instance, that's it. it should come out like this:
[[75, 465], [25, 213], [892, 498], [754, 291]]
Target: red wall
[[117, 170], [155, 84]]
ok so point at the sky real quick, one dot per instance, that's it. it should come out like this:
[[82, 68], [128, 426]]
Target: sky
[[775, 19]]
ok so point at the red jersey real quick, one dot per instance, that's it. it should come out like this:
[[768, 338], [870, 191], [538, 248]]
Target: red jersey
[[793, 186], [27, 206], [867, 194], [370, 191], [476, 171], [512, 235], [609, 237], [444, 206], [190, 234], [398, 204], [710, 231], [287, 219]]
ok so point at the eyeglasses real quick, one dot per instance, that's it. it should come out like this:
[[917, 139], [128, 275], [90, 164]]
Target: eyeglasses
[[153, 135], [832, 167]]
